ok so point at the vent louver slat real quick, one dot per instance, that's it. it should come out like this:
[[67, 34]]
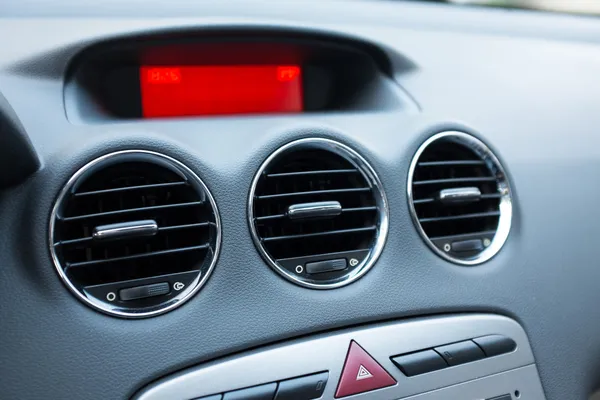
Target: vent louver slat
[[132, 210], [138, 256], [314, 193], [344, 210], [489, 214], [432, 200], [449, 163], [449, 181], [124, 189], [306, 173], [460, 198], [134, 219], [344, 213], [326, 233]]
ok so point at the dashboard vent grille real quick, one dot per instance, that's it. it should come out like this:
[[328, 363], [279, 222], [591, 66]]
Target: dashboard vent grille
[[460, 198], [317, 213], [134, 233]]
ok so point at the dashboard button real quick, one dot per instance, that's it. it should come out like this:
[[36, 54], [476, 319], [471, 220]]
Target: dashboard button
[[494, 345], [467, 245], [326, 266], [304, 388], [262, 392], [419, 363], [361, 373], [141, 292], [460, 353]]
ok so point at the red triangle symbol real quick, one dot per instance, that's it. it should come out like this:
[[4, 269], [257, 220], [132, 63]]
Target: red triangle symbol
[[361, 373]]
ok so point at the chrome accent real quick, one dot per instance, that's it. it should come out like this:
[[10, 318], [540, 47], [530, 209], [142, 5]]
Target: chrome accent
[[381, 201], [505, 207], [459, 195], [175, 301], [316, 209], [125, 229]]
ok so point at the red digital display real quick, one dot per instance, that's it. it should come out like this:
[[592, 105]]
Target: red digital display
[[177, 91]]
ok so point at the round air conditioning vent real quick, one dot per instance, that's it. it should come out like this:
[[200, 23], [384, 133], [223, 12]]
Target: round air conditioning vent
[[459, 198], [134, 233], [318, 214]]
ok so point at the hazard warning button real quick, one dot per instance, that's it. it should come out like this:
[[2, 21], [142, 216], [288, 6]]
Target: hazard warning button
[[361, 373]]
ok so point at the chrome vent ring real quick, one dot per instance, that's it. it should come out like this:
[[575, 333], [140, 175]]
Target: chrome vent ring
[[134, 234], [459, 198], [317, 213]]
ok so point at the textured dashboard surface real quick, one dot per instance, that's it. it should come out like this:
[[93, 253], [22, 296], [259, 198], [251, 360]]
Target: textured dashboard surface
[[526, 83]]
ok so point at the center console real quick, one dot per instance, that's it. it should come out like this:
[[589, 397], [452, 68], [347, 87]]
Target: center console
[[465, 357]]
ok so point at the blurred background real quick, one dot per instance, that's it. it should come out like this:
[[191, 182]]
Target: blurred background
[[568, 6]]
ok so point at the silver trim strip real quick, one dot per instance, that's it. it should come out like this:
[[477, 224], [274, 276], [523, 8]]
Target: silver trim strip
[[176, 301], [504, 190], [316, 209], [125, 229], [381, 201], [327, 352]]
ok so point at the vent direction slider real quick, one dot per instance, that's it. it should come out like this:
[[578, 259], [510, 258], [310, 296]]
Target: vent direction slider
[[460, 195], [318, 209], [121, 230]]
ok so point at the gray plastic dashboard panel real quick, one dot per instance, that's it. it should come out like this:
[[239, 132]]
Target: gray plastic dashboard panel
[[328, 352]]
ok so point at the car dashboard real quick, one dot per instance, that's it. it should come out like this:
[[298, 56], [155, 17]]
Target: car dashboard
[[298, 200]]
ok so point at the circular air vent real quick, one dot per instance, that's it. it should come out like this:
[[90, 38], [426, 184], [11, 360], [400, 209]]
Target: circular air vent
[[459, 198], [318, 214], [134, 233]]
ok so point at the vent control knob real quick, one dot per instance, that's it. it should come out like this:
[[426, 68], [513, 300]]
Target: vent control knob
[[141, 292], [326, 266]]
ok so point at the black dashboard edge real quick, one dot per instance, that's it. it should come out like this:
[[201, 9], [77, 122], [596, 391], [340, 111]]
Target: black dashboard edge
[[18, 158]]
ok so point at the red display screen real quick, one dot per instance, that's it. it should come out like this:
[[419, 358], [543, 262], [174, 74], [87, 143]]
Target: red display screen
[[176, 91]]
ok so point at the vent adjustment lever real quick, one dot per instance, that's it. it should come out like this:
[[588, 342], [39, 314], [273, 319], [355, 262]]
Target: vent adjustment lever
[[147, 227], [318, 209]]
